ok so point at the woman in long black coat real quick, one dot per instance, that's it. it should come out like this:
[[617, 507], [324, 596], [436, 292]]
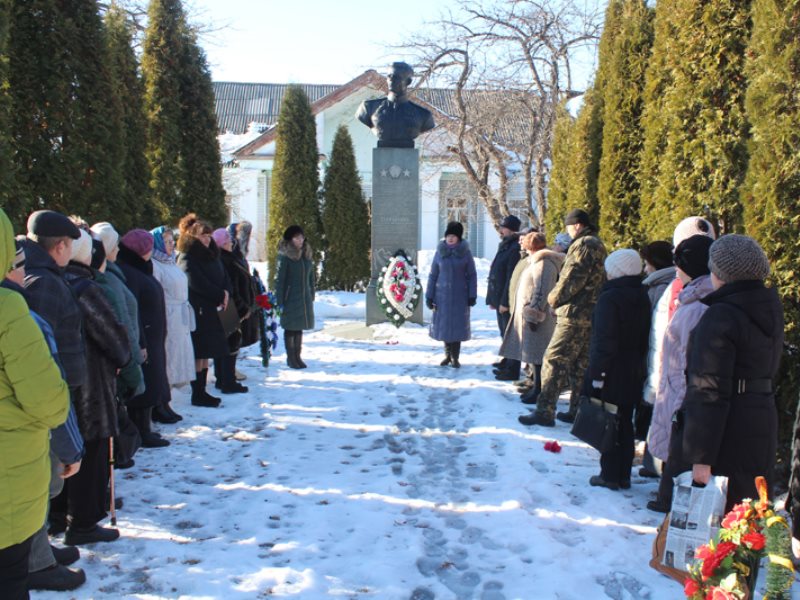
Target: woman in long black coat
[[107, 350], [209, 293], [728, 422], [134, 258], [240, 236], [618, 358]]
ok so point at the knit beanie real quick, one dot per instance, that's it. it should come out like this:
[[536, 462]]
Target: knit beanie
[[454, 228], [221, 236], [623, 262], [107, 234], [563, 239], [82, 249], [691, 255], [138, 240], [692, 226], [738, 258], [658, 254], [292, 231]]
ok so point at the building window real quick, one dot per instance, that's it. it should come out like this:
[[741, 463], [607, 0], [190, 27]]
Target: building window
[[458, 201]]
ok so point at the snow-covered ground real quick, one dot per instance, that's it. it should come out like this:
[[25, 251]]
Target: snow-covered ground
[[374, 473]]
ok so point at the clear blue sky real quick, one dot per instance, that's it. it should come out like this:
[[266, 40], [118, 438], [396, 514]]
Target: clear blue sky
[[307, 41]]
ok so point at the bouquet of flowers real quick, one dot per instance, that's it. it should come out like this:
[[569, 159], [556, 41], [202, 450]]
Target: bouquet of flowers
[[726, 567], [268, 314], [399, 290]]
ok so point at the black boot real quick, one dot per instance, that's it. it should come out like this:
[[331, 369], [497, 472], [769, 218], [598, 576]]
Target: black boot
[[298, 348], [161, 414], [142, 419], [448, 356], [228, 372], [290, 341], [199, 395], [455, 352]]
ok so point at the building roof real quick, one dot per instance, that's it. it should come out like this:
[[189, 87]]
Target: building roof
[[240, 104]]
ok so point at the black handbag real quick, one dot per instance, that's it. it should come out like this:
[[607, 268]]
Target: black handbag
[[596, 424]]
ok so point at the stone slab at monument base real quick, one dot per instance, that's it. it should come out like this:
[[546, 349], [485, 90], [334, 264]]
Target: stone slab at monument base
[[395, 218]]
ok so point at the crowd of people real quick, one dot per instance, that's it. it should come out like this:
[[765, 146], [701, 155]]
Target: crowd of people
[[98, 328], [683, 338]]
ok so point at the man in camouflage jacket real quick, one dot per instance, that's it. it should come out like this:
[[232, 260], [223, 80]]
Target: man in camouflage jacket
[[573, 299]]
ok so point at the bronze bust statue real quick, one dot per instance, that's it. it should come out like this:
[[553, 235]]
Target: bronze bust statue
[[395, 119]]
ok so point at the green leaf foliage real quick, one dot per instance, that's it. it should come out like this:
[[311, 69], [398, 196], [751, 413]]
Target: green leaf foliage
[[294, 197], [623, 61], [135, 202], [561, 173], [345, 219], [585, 154], [704, 148], [161, 69], [771, 195], [7, 185]]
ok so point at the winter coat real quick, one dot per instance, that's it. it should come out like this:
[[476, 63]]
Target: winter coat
[[180, 320], [294, 286], [153, 320], [51, 297], [208, 283], [618, 347], [672, 385], [244, 294], [130, 380], [580, 280], [251, 325], [452, 283], [658, 328], [656, 282], [793, 499], [107, 349], [33, 399], [539, 275], [508, 252], [737, 344]]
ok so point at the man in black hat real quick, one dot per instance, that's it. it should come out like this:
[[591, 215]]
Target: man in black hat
[[573, 298], [508, 252]]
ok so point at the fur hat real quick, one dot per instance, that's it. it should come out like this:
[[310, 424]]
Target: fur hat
[[107, 234], [138, 240], [577, 216], [292, 231], [658, 254], [692, 226], [623, 262], [455, 228], [738, 258], [691, 255], [82, 249], [221, 236]]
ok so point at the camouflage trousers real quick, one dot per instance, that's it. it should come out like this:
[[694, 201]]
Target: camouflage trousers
[[565, 362]]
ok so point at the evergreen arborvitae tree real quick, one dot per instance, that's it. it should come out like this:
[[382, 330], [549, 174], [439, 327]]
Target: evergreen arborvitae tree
[[161, 70], [625, 63], [37, 93], [6, 173], [92, 153], [658, 83], [136, 207], [771, 195], [202, 190], [586, 150], [705, 152], [345, 219], [561, 173], [294, 197]]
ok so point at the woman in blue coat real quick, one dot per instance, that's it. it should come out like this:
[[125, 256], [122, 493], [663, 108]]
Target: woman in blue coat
[[452, 290]]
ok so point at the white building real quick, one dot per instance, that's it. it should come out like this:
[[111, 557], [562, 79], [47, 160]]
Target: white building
[[445, 194]]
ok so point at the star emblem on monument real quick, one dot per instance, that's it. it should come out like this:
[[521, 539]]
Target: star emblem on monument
[[383, 173], [406, 173]]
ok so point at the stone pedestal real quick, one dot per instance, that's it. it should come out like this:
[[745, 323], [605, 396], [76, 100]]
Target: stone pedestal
[[395, 218]]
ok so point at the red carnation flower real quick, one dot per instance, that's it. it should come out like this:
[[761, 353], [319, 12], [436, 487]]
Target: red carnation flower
[[754, 540], [690, 587]]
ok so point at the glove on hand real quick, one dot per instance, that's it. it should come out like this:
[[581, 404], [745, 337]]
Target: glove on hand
[[473, 301], [429, 303]]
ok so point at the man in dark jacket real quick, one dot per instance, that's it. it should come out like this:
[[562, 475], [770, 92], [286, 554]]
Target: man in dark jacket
[[728, 423], [508, 252], [573, 298]]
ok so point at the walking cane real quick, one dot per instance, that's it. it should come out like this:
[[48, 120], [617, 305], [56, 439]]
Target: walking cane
[[113, 508]]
